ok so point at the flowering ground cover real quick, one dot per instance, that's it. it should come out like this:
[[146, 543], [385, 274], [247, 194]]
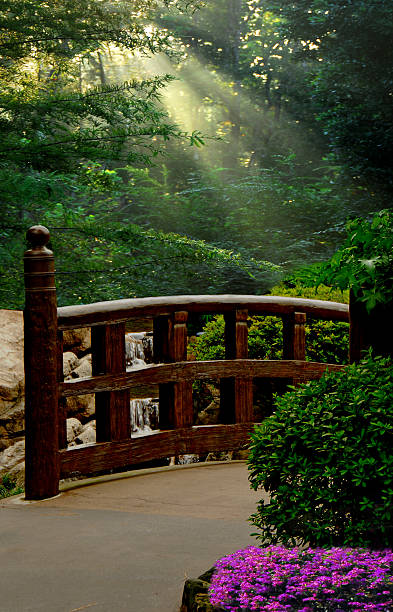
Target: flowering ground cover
[[278, 579]]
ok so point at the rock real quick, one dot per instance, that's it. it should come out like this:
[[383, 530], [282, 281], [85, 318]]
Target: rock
[[74, 428], [11, 377], [88, 435], [12, 423], [77, 340], [70, 362], [210, 414], [11, 356], [220, 456], [147, 344], [81, 407], [12, 462], [195, 595], [241, 455], [83, 369]]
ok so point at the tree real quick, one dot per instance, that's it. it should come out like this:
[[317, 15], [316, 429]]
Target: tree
[[351, 79], [50, 118], [57, 131]]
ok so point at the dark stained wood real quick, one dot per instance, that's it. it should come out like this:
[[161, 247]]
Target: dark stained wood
[[121, 310], [112, 408], [41, 369], [62, 406], [46, 392], [198, 440], [357, 320], [183, 413], [170, 345], [294, 338], [369, 329], [198, 370], [236, 393], [162, 331]]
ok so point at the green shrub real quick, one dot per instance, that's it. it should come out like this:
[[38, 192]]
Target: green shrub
[[325, 456], [365, 261], [326, 341], [9, 486]]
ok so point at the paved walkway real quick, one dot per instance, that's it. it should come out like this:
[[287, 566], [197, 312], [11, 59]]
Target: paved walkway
[[124, 542]]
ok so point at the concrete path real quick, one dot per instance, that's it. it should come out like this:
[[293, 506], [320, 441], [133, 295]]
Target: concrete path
[[124, 542]]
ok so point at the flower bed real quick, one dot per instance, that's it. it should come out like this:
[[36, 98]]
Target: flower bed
[[278, 579]]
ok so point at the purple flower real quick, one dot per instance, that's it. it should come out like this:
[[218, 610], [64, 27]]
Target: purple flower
[[276, 579]]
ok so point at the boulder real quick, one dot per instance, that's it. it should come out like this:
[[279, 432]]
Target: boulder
[[88, 434], [81, 407], [11, 356], [12, 423], [74, 428], [77, 341], [11, 377], [70, 362], [12, 462], [83, 369], [211, 414], [195, 595]]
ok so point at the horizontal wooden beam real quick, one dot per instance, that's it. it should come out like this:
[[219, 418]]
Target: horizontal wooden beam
[[195, 370], [159, 444], [99, 313]]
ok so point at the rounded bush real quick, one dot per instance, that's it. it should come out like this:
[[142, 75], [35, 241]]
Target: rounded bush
[[326, 458]]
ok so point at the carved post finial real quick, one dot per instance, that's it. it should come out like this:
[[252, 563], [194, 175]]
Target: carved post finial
[[38, 236]]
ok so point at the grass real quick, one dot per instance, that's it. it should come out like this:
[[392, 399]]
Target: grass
[[9, 486]]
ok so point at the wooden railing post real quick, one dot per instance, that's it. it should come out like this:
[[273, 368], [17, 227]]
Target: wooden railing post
[[40, 357], [294, 338], [369, 329], [170, 345], [236, 394], [113, 421]]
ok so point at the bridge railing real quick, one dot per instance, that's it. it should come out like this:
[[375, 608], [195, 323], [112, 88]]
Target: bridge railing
[[47, 457]]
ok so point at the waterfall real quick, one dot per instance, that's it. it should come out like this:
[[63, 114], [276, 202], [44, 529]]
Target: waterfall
[[144, 412], [144, 415], [138, 349]]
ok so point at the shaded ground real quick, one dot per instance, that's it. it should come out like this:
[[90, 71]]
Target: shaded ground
[[122, 543]]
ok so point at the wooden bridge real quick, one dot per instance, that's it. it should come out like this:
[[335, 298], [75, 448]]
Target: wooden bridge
[[47, 457]]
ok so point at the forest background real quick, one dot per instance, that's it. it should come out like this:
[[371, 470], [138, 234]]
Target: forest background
[[185, 147]]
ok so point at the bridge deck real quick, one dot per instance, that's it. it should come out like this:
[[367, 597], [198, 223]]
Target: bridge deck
[[125, 542]]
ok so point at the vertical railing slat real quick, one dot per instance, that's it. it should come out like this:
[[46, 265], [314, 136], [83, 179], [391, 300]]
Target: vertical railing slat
[[236, 394], [40, 358], [113, 407], [62, 406], [294, 338], [170, 345]]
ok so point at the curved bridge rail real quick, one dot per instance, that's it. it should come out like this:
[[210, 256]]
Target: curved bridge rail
[[47, 456]]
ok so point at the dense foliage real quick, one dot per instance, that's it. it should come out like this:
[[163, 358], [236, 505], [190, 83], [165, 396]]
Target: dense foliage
[[63, 127], [325, 458], [365, 261], [51, 117], [93, 91], [279, 579], [100, 259], [349, 78]]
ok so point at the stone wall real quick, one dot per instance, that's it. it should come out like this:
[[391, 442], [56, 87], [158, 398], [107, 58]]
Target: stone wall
[[76, 364]]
